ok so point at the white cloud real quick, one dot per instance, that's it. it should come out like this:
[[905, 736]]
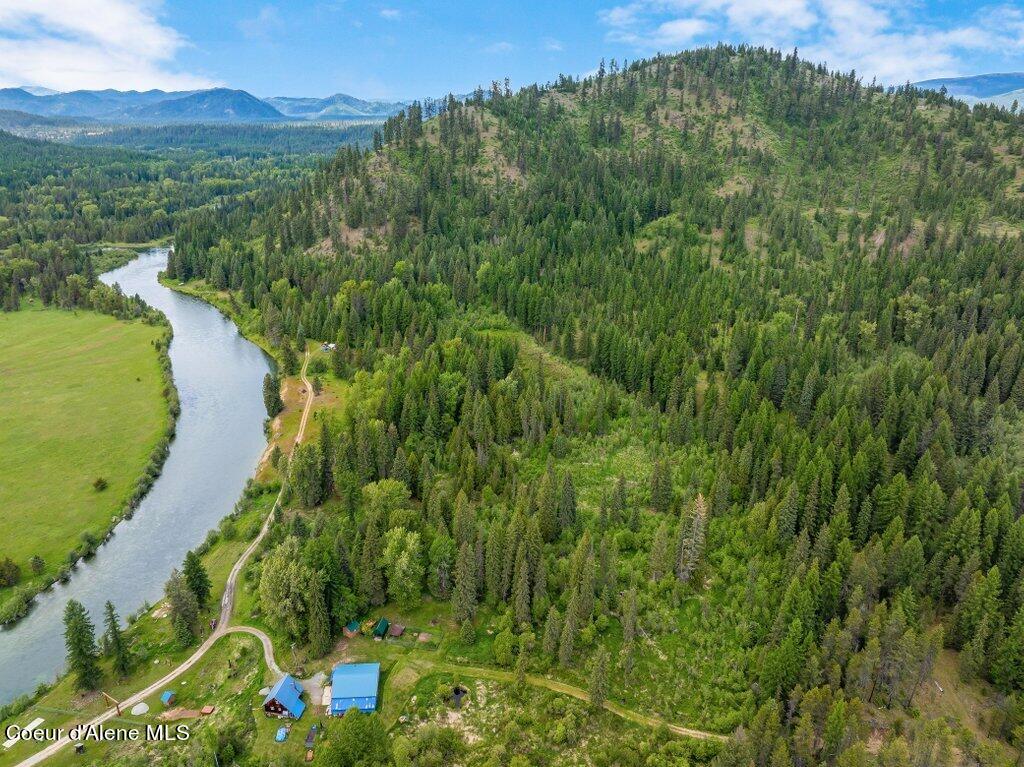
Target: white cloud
[[866, 35], [665, 23], [1007, 18], [551, 44], [862, 35], [69, 44], [263, 25], [502, 46], [621, 16], [391, 14], [678, 32], [628, 27]]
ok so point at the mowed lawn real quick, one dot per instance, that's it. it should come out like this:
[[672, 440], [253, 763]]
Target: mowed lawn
[[80, 398]]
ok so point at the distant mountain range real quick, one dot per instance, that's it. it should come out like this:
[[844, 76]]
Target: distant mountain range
[[337, 107], [1001, 89], [38, 90], [225, 105], [215, 105]]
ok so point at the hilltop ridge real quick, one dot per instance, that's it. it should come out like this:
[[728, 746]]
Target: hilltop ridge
[[784, 481]]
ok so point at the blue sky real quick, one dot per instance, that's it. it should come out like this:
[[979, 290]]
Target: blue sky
[[402, 48]]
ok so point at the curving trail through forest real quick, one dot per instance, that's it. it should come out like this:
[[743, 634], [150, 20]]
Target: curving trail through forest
[[425, 665]]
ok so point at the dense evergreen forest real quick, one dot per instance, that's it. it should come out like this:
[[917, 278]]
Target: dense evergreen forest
[[56, 198], [247, 140], [697, 381]]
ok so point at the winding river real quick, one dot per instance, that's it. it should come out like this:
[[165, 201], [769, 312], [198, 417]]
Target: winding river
[[219, 376]]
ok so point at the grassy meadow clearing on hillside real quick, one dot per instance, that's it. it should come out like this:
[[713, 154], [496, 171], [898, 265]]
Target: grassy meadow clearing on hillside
[[546, 728], [80, 401]]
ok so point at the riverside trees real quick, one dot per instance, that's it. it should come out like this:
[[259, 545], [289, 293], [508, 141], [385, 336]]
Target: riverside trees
[[80, 641], [114, 641], [272, 395]]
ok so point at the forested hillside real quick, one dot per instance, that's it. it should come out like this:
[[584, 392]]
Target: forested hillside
[[56, 198], [254, 140], [52, 191], [697, 382]]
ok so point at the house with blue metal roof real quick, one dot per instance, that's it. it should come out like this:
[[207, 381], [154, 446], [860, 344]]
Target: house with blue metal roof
[[354, 685], [285, 699]]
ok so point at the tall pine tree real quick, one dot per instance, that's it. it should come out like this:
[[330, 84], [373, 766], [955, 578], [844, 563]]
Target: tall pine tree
[[80, 641]]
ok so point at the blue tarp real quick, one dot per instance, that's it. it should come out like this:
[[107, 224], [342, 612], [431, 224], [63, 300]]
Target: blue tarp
[[287, 692], [354, 685]]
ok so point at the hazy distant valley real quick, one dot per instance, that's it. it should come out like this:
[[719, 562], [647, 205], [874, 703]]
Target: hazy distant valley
[[41, 113]]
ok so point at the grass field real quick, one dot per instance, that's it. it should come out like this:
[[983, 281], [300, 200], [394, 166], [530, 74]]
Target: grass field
[[80, 399]]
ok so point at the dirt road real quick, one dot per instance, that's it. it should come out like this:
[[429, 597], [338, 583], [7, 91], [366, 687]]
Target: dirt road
[[554, 685], [223, 625]]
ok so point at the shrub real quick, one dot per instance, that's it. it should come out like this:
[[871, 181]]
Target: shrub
[[16, 607], [504, 648], [10, 573]]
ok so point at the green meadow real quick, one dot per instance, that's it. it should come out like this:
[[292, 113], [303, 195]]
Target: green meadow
[[81, 400]]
